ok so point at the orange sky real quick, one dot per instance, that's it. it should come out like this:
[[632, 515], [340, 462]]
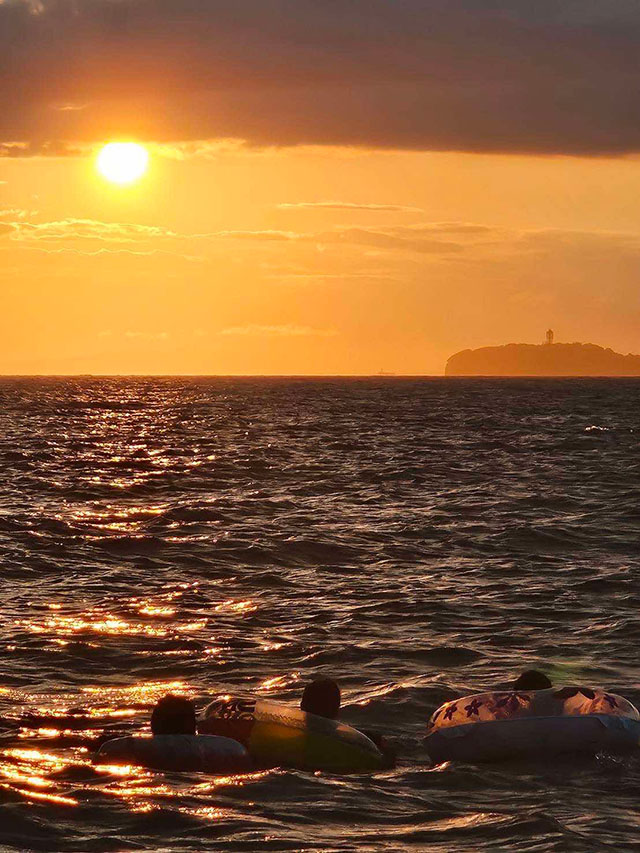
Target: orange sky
[[311, 260], [334, 188]]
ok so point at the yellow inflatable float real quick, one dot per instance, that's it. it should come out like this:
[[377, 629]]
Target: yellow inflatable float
[[278, 735]]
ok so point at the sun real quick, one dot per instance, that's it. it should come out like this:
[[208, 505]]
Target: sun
[[122, 162]]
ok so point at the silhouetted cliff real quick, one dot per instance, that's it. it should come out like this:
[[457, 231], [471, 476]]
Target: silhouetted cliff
[[542, 360]]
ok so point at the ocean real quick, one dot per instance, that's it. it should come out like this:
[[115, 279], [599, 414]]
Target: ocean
[[416, 539]]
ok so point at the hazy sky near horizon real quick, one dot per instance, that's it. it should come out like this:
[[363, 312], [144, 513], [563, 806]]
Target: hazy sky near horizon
[[334, 187]]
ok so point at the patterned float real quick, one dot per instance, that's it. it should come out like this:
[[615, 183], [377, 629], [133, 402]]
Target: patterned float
[[530, 724]]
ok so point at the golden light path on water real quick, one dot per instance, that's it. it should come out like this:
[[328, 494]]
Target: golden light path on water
[[36, 775], [39, 774], [61, 625]]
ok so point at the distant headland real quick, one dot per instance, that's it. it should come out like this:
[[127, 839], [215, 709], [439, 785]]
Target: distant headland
[[548, 359]]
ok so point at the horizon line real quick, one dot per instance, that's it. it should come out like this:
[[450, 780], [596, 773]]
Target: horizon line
[[221, 375], [388, 376]]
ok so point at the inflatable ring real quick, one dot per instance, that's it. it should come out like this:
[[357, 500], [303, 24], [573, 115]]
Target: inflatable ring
[[180, 753], [532, 724], [278, 735]]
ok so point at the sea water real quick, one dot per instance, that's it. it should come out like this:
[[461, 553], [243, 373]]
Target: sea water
[[416, 539]]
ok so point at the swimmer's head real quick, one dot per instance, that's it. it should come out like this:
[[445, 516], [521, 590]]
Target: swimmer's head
[[532, 679], [321, 697], [174, 715]]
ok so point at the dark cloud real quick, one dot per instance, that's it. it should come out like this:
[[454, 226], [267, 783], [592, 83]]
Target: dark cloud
[[476, 75]]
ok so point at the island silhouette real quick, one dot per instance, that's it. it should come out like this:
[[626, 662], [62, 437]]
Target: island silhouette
[[547, 359]]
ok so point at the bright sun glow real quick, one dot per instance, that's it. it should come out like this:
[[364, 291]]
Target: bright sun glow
[[122, 162]]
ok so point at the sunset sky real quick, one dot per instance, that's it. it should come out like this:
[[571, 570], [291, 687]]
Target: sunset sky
[[334, 186]]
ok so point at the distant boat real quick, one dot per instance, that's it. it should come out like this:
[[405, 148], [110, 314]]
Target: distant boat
[[382, 372]]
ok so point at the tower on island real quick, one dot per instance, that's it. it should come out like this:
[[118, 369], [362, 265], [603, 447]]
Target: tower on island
[[549, 337]]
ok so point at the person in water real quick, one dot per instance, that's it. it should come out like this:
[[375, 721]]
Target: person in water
[[322, 697], [173, 715], [532, 679], [175, 746]]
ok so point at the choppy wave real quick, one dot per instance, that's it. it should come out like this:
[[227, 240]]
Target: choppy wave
[[417, 539]]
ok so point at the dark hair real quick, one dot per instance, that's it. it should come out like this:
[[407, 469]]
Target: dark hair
[[174, 715], [532, 679], [321, 697]]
